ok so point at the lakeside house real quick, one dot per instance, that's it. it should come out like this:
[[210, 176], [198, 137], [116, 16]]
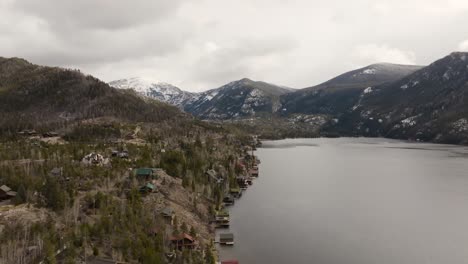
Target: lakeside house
[[183, 241], [249, 180], [168, 215], [222, 218], [226, 239], [235, 192], [242, 182], [147, 188], [6, 193], [145, 174], [228, 200], [254, 172]]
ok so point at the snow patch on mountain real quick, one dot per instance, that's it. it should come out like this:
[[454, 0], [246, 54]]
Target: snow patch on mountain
[[369, 71]]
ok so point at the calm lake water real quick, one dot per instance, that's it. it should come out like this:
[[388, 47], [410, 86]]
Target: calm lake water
[[354, 201]]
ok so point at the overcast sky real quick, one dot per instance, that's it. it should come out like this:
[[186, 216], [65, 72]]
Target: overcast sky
[[203, 44]]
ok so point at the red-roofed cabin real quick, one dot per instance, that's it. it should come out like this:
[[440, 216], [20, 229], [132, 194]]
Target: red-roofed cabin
[[230, 262], [183, 241]]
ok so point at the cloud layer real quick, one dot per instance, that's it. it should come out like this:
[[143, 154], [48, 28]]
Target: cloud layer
[[202, 44]]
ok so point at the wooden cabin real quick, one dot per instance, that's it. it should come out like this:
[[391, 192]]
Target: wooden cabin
[[226, 239], [183, 241], [6, 193]]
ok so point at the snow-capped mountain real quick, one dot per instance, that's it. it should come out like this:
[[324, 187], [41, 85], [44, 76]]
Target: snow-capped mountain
[[238, 99], [161, 91]]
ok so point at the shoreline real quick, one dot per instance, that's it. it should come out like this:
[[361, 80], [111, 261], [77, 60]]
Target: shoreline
[[249, 162]]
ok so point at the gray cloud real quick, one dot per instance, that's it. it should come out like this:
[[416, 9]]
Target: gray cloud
[[97, 14], [203, 44]]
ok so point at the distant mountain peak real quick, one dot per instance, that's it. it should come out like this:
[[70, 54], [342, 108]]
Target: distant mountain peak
[[246, 80]]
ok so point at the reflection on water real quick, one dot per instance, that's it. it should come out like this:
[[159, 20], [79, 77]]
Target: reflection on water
[[354, 201]]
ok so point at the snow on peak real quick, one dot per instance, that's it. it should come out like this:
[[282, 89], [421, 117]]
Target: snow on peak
[[161, 91]]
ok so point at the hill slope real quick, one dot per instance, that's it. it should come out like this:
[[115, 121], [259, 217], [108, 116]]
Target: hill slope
[[32, 96]]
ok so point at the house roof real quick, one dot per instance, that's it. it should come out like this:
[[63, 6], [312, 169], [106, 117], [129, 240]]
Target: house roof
[[182, 236], [150, 186], [144, 171], [5, 188], [11, 193], [167, 211]]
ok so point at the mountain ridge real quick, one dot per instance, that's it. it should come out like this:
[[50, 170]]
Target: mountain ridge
[[430, 104]]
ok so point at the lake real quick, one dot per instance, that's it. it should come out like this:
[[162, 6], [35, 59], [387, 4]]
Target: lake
[[353, 201]]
